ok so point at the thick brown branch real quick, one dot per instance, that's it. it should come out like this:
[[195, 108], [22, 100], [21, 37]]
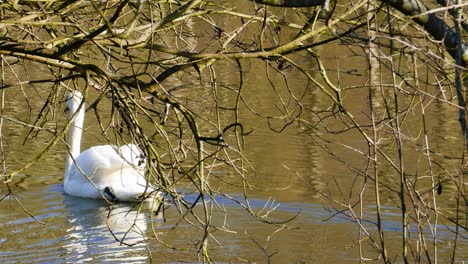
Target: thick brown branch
[[416, 10], [435, 26]]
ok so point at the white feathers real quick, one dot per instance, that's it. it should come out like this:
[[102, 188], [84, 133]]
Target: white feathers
[[117, 173]]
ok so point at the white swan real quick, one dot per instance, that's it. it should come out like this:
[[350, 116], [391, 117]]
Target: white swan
[[116, 173]]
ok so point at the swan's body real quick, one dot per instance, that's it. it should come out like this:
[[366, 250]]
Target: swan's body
[[116, 173]]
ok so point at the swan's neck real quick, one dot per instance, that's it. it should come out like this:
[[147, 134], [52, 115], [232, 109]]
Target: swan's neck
[[74, 138]]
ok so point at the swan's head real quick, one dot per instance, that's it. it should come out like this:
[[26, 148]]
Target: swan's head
[[74, 99]]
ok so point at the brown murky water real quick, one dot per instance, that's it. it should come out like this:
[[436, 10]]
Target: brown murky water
[[291, 170]]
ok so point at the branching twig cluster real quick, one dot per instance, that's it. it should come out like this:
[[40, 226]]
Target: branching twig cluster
[[171, 76]]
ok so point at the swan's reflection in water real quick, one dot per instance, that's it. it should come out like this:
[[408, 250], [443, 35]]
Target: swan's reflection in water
[[104, 233]]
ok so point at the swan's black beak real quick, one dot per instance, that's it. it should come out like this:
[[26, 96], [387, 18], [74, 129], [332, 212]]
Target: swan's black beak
[[109, 193], [66, 110]]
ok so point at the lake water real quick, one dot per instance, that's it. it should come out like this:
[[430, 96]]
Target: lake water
[[296, 172], [67, 229], [42, 224]]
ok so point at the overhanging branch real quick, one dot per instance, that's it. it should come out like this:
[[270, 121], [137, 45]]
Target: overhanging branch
[[417, 11]]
